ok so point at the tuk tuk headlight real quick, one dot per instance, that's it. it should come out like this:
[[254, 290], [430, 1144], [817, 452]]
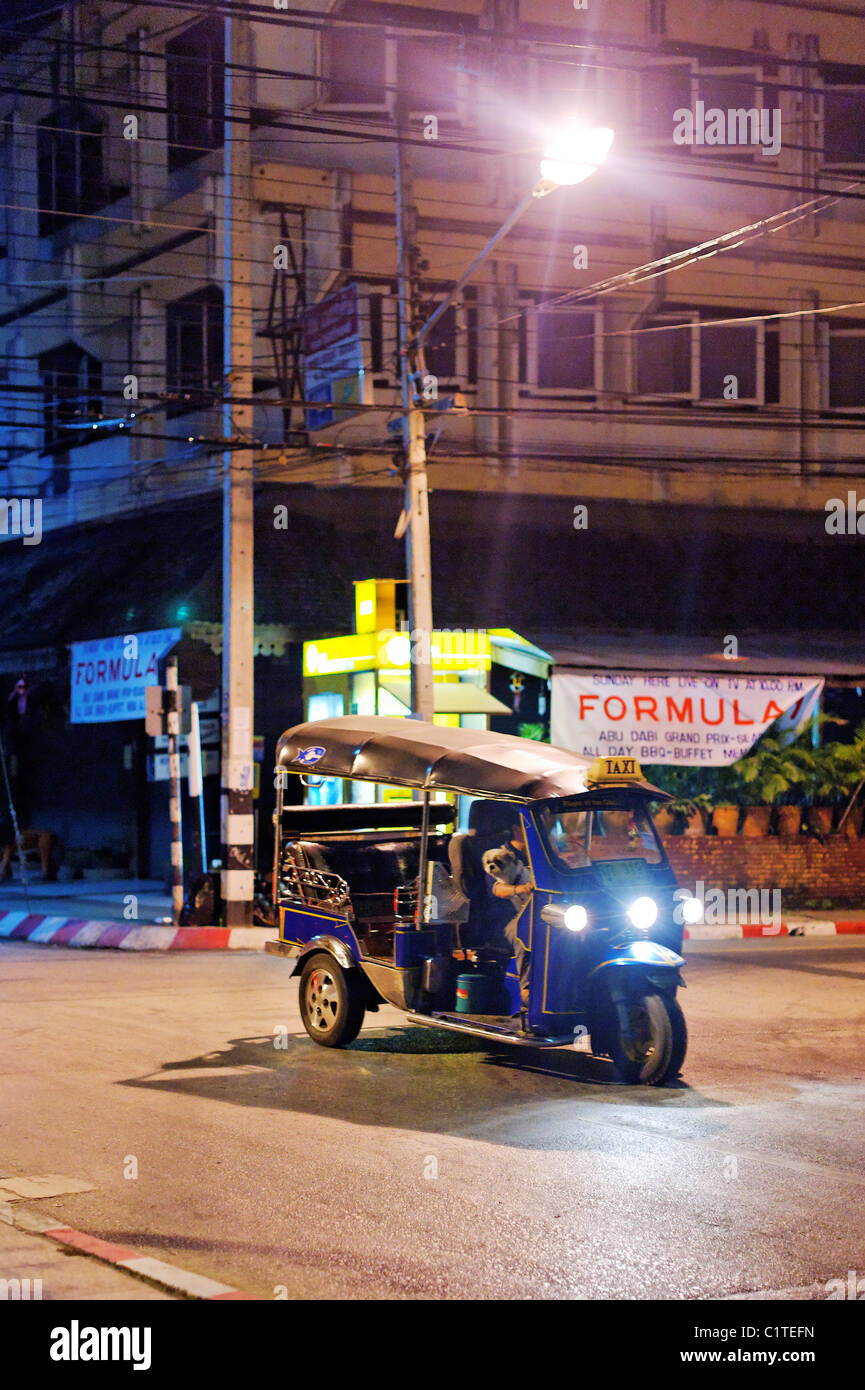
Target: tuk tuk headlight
[[576, 917], [643, 913], [692, 909]]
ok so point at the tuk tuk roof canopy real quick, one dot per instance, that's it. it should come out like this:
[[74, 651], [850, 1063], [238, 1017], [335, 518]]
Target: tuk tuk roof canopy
[[410, 753]]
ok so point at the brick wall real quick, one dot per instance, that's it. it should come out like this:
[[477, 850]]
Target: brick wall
[[801, 867]]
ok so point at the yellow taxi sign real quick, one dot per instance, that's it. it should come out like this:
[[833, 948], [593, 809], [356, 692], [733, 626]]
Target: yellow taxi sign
[[614, 772]]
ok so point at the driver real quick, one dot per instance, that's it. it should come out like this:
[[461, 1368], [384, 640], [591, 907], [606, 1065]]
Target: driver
[[508, 869]]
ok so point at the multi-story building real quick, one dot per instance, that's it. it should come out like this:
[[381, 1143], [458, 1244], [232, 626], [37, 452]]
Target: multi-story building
[[676, 345]]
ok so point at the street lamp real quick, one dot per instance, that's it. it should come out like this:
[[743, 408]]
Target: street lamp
[[574, 154], [575, 151]]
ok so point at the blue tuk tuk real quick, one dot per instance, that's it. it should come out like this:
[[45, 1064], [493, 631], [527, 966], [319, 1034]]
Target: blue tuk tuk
[[388, 902]]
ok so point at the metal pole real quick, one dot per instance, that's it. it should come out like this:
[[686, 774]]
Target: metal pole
[[420, 915], [464, 279], [196, 777], [238, 875], [416, 501], [172, 720]]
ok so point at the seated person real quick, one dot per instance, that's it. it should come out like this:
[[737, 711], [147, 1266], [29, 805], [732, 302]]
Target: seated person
[[507, 868]]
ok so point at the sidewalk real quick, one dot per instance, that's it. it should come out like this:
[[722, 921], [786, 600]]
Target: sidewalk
[[135, 915], [120, 914], [45, 1270], [42, 1258]]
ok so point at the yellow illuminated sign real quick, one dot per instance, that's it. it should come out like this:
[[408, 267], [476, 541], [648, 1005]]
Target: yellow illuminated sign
[[614, 772], [387, 650]]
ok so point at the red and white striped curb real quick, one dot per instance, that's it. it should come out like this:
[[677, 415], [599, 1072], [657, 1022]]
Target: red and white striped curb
[[128, 936], [793, 926], [167, 1276]]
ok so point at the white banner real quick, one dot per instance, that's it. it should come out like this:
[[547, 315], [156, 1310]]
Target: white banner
[[110, 675], [707, 720]]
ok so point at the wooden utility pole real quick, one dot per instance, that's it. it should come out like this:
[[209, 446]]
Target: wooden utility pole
[[237, 514], [416, 502]]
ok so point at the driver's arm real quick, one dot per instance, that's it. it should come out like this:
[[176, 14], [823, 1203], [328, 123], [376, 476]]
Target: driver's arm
[[511, 890]]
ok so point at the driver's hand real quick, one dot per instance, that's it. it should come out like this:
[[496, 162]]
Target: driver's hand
[[523, 889]]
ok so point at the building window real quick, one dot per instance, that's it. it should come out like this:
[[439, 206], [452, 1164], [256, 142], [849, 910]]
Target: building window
[[707, 362], [364, 67], [562, 90], [847, 367], [728, 362], [668, 88], [70, 175], [193, 350], [664, 358], [71, 386], [564, 350], [195, 91], [428, 75], [844, 124], [440, 347], [665, 88], [737, 91], [355, 63]]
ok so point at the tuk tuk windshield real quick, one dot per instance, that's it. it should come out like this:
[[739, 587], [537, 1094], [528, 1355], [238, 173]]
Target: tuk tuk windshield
[[594, 830]]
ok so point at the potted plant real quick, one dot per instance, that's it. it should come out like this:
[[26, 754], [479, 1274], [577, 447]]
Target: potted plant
[[725, 816], [850, 760], [687, 812], [664, 815], [692, 808], [828, 777], [774, 772]]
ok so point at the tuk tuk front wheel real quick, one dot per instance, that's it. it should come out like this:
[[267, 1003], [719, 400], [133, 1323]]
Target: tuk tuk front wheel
[[642, 1056], [331, 1001], [680, 1040]]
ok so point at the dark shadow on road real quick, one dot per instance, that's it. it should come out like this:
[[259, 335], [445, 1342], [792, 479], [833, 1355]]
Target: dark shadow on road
[[418, 1079], [801, 965]]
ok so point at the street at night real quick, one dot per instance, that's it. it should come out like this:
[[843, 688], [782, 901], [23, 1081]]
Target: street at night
[[415, 1164], [432, 686]]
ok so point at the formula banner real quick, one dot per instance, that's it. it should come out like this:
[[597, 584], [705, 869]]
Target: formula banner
[[708, 720], [110, 675]]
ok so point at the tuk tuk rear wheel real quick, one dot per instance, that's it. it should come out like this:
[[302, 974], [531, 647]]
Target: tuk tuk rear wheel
[[331, 1001], [644, 1059]]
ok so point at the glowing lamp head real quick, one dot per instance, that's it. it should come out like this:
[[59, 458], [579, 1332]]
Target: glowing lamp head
[[575, 153], [643, 913], [576, 917]]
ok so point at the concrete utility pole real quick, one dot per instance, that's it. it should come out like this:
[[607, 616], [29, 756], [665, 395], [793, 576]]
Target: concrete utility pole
[[237, 513], [416, 503]]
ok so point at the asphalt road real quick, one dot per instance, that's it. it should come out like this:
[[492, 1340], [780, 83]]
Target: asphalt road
[[420, 1164]]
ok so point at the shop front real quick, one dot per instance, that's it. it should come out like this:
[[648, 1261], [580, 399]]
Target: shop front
[[483, 678]]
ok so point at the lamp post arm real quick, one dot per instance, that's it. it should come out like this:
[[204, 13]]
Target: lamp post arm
[[538, 191]]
